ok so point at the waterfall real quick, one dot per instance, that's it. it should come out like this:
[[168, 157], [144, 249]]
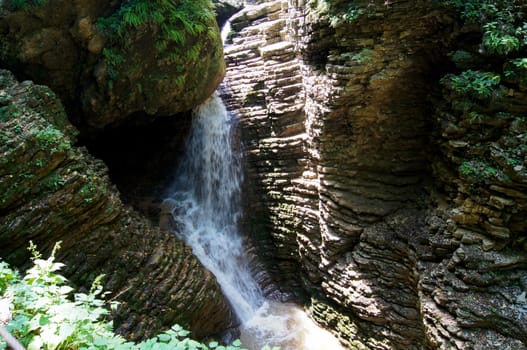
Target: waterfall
[[204, 204]]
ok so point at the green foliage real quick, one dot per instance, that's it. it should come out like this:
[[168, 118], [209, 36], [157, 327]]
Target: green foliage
[[503, 22], [88, 192], [113, 58], [176, 22], [25, 4], [52, 140], [54, 181], [44, 315], [516, 70], [360, 57], [351, 14], [338, 12], [9, 112], [477, 84], [6, 276], [480, 170]]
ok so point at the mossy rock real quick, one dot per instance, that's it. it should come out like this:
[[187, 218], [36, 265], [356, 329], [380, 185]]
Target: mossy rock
[[52, 190], [116, 60]]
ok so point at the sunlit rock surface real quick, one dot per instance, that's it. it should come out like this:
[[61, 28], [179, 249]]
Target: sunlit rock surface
[[354, 193]]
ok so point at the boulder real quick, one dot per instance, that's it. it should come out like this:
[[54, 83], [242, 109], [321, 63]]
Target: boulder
[[111, 61]]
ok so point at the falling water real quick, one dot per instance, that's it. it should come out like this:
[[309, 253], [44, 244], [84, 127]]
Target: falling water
[[205, 208]]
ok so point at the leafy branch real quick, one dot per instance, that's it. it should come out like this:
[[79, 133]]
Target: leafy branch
[[45, 315]]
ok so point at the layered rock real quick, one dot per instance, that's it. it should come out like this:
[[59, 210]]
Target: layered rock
[[108, 61], [477, 292], [396, 247], [53, 191]]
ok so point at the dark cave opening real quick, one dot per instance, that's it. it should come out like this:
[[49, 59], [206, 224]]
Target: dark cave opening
[[141, 157]]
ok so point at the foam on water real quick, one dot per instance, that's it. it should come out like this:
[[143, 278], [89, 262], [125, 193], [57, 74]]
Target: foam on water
[[204, 205]]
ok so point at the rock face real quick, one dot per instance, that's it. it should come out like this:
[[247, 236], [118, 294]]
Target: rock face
[[53, 191], [107, 63], [357, 185], [225, 9]]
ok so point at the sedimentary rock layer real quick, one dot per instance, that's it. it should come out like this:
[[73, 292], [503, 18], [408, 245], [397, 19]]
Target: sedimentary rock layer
[[354, 192], [53, 191]]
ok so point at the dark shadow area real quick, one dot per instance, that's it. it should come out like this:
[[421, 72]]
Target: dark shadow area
[[142, 157]]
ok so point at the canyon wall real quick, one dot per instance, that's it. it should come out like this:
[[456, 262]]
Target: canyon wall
[[357, 188], [54, 191], [126, 74]]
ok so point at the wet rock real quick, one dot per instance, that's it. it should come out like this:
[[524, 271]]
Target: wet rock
[[225, 9]]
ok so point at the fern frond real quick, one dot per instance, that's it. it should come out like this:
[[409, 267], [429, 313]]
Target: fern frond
[[212, 34], [176, 36], [180, 81], [161, 45]]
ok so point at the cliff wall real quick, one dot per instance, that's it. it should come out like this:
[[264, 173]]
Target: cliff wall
[[54, 191], [355, 192]]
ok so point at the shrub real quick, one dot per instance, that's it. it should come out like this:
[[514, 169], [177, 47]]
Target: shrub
[[503, 22], [46, 316], [477, 84]]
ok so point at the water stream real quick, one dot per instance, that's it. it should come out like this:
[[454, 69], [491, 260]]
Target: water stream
[[205, 208]]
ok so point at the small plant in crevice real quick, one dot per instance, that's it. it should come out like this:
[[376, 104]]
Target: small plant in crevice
[[478, 84], [338, 12], [52, 140], [478, 170]]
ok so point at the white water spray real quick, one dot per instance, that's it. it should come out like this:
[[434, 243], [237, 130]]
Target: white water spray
[[205, 209]]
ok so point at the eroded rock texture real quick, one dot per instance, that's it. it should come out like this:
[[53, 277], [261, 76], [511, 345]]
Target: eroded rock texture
[[345, 196], [103, 77], [53, 191]]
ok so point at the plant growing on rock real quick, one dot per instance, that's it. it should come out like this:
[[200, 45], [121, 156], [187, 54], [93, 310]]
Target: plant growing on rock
[[338, 12], [179, 22], [477, 84], [478, 170], [503, 23], [24, 4], [44, 315]]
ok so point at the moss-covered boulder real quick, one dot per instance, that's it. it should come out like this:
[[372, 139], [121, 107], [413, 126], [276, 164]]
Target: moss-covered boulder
[[113, 60], [53, 191]]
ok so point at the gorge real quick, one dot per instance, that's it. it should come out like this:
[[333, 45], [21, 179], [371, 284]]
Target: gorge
[[383, 151]]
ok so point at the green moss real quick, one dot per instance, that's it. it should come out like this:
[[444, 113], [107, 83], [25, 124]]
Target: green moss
[[25, 4], [478, 170]]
